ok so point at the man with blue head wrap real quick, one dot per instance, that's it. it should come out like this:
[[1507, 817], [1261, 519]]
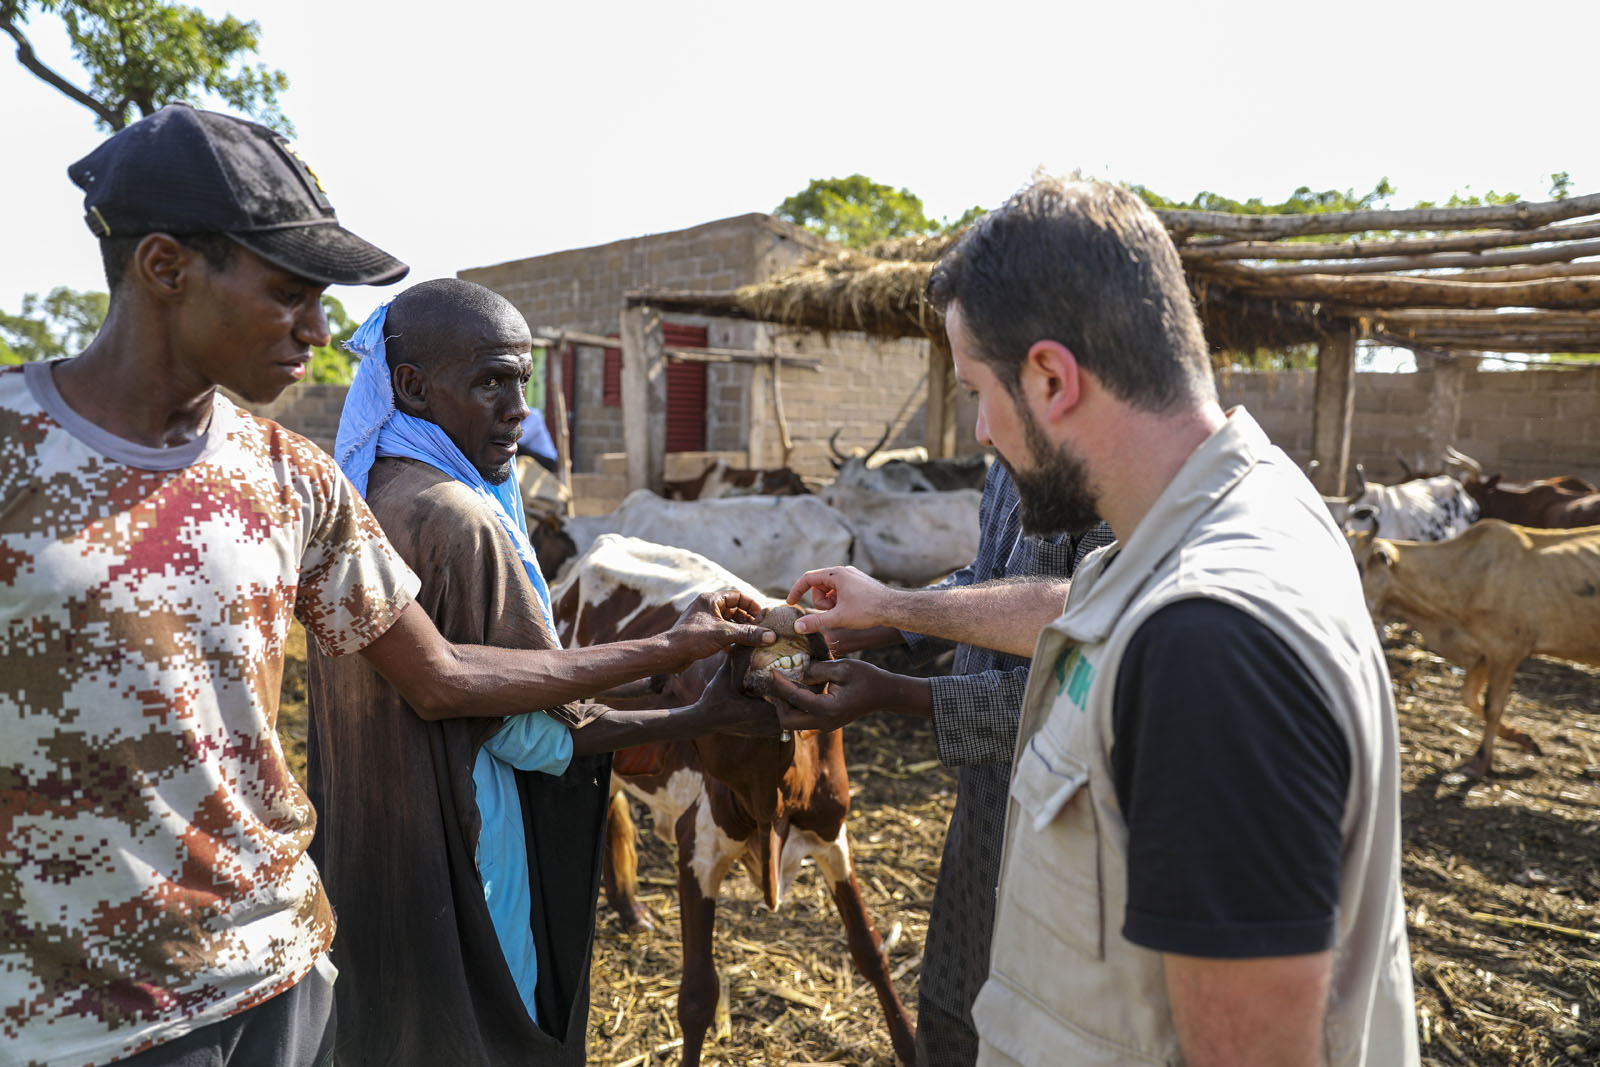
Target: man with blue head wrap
[[463, 855]]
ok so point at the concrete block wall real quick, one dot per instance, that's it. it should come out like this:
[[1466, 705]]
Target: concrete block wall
[[865, 385], [583, 289], [1524, 424], [309, 409]]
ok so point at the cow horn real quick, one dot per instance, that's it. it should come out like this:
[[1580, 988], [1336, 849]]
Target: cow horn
[[1465, 460], [838, 457], [888, 428], [1405, 468]]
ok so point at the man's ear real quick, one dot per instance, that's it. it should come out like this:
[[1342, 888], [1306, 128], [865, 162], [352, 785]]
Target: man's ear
[[1051, 378], [161, 265], [410, 389]]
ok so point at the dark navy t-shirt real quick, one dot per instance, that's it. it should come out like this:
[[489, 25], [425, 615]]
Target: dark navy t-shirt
[[1232, 775]]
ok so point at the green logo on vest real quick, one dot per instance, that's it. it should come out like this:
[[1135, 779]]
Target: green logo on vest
[[1074, 673]]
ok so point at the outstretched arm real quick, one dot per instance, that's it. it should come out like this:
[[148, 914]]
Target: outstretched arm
[[1005, 615], [445, 681], [722, 708]]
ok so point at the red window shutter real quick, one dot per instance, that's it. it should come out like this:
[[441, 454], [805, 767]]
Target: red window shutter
[[686, 390], [611, 380]]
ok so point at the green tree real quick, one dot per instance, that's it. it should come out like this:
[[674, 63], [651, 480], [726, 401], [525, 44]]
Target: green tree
[[143, 54], [856, 211], [331, 363], [50, 327]]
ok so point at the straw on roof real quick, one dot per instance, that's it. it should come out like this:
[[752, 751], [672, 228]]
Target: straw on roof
[[1508, 278]]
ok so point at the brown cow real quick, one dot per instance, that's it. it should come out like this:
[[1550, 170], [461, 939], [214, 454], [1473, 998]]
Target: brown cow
[[719, 480], [1486, 601], [1548, 503], [767, 804]]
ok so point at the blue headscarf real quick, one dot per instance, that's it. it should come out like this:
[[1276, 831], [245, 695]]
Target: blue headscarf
[[370, 427]]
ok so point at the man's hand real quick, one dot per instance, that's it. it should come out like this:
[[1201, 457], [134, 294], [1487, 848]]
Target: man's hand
[[714, 623], [854, 689], [845, 599], [732, 711], [844, 642]]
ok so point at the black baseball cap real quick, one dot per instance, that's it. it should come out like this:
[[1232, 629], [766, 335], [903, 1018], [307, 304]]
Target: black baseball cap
[[187, 171]]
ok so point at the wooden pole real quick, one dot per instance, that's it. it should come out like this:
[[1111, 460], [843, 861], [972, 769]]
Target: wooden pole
[[644, 397], [1519, 215], [1467, 262], [784, 439], [1334, 407], [1444, 407], [1407, 246], [556, 401], [941, 406]]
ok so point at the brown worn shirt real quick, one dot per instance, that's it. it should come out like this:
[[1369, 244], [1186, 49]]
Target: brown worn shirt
[[422, 979]]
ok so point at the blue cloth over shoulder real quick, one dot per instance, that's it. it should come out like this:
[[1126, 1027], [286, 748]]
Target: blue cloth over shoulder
[[371, 427]]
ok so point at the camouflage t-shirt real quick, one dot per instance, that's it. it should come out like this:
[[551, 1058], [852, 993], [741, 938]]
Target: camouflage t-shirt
[[153, 872]]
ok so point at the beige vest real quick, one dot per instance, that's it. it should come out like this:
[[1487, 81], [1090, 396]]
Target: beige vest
[[1238, 524]]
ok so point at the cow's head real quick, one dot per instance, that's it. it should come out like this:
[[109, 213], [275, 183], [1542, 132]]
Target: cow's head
[[789, 655], [1375, 560]]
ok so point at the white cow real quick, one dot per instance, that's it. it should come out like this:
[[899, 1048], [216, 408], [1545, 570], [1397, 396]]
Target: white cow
[[1423, 509], [769, 541], [910, 538]]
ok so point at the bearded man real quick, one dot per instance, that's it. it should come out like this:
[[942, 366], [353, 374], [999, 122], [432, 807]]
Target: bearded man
[[1201, 860]]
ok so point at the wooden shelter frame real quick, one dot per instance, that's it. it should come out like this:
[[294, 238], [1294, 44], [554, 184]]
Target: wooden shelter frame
[[1522, 277]]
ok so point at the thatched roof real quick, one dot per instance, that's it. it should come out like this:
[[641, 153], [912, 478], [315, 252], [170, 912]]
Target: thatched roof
[[1508, 278]]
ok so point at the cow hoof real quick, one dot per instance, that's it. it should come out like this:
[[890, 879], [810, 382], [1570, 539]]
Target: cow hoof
[[637, 920], [1475, 768], [1526, 743]]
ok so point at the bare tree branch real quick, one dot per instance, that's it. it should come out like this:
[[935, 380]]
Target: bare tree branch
[[26, 56]]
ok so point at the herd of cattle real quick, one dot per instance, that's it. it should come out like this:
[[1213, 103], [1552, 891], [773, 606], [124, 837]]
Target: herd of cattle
[[1489, 572], [896, 514]]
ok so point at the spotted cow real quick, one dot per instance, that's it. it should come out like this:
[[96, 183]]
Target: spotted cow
[[765, 803], [1423, 509], [720, 479]]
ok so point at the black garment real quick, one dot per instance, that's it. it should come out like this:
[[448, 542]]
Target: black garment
[[423, 980], [1232, 775], [293, 1029]]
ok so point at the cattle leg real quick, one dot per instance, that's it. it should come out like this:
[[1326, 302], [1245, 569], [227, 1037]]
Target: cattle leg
[[703, 862], [1494, 707], [619, 869], [866, 950]]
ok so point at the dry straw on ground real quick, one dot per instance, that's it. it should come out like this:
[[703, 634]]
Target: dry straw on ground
[[1502, 886]]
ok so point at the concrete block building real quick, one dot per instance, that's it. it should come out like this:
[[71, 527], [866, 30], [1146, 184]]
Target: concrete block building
[[862, 386]]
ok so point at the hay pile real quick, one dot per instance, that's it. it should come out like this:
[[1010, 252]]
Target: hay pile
[[1502, 883]]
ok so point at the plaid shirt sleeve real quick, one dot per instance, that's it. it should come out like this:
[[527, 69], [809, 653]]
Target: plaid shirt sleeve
[[991, 519], [976, 710]]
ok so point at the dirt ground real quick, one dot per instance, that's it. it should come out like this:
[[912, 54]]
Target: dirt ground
[[1502, 883]]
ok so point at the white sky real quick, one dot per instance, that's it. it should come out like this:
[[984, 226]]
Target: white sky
[[472, 132]]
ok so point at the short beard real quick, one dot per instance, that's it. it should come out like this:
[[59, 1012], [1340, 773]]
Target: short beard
[[499, 474], [1054, 496]]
